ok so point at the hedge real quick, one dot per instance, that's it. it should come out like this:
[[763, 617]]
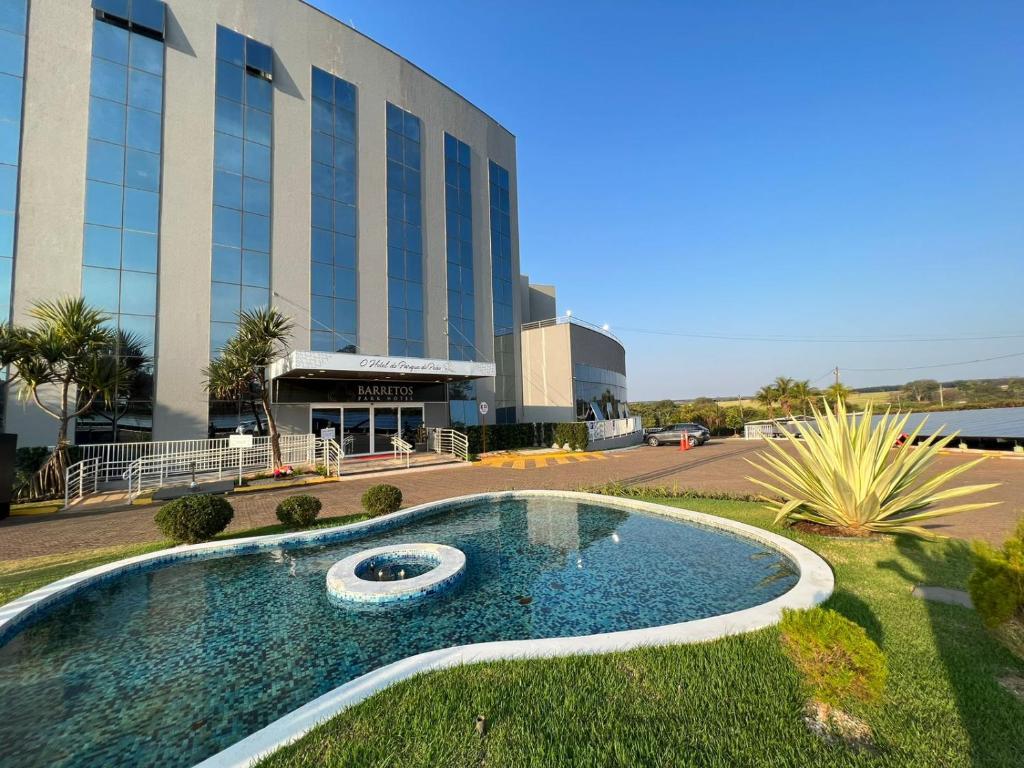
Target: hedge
[[509, 437]]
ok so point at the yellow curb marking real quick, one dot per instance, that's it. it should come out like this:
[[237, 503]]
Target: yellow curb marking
[[540, 461]]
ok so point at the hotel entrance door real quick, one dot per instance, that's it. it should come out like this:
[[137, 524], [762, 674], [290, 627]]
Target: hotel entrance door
[[370, 427]]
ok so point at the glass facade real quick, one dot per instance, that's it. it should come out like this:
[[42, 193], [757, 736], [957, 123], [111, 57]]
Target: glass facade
[[405, 234], [599, 393], [501, 290], [242, 182], [334, 323], [458, 200], [13, 28], [122, 201]]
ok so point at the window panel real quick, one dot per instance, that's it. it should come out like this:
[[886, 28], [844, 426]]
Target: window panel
[[13, 16], [257, 197], [106, 120], [227, 153], [230, 81], [257, 161], [225, 301], [102, 246], [230, 46], [110, 42], [108, 81], [142, 170], [255, 269], [140, 251], [227, 227], [227, 189], [259, 93], [138, 293], [145, 91], [143, 130], [254, 298], [322, 279], [103, 204], [228, 117], [257, 126], [8, 188], [141, 210], [227, 264], [101, 288]]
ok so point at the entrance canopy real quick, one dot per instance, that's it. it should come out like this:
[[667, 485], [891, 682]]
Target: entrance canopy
[[339, 365]]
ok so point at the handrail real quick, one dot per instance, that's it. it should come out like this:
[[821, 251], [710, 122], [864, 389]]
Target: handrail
[[450, 441], [398, 445], [570, 320]]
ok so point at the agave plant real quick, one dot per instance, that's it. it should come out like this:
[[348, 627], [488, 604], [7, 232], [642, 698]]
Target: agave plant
[[854, 474]]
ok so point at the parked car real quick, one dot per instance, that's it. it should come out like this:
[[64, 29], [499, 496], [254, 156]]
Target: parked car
[[696, 434]]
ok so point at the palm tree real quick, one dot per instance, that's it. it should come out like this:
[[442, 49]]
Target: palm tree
[[66, 362], [803, 395], [240, 371], [767, 396], [783, 387], [836, 393]]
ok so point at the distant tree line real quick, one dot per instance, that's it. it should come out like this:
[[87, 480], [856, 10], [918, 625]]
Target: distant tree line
[[786, 397]]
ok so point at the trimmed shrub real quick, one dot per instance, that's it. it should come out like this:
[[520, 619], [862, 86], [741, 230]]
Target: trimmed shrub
[[299, 511], [574, 434], [997, 583], [382, 500], [838, 662], [192, 519]]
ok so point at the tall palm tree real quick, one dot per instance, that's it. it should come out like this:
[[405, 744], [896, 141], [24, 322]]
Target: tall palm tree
[[837, 393], [240, 371], [783, 387], [803, 395], [66, 362], [768, 396]]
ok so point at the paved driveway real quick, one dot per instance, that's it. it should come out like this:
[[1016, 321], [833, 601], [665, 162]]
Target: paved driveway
[[718, 466]]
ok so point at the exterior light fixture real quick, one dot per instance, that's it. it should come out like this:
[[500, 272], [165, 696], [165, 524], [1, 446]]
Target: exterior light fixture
[[568, 313]]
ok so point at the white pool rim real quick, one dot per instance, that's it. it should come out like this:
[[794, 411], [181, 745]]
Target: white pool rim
[[344, 584], [815, 585]]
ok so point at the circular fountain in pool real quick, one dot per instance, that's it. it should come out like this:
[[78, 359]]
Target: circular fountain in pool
[[172, 657], [396, 573]]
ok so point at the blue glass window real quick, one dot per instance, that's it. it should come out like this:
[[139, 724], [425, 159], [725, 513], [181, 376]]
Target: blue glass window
[[459, 248], [405, 240], [334, 218], [13, 17], [501, 290], [122, 205], [242, 183]]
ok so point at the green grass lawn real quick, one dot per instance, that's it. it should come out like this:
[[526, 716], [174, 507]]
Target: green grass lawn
[[732, 702]]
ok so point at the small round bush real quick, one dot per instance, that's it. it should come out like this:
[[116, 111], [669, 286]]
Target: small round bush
[[838, 663], [298, 511], [192, 519], [382, 500]]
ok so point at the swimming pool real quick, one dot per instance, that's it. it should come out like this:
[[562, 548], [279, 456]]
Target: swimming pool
[[170, 665]]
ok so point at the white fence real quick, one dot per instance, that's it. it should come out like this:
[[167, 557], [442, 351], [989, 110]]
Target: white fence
[[138, 466], [156, 471], [609, 428], [448, 441]]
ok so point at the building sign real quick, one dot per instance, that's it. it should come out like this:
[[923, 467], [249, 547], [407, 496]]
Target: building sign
[[327, 433], [334, 391], [406, 365], [240, 441]]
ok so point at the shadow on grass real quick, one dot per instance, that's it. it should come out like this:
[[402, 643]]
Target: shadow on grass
[[972, 659], [859, 612]]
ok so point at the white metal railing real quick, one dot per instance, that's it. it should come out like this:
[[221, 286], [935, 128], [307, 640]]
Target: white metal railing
[[156, 471], [114, 458], [569, 320], [330, 455], [400, 447], [449, 441], [609, 428], [80, 479]]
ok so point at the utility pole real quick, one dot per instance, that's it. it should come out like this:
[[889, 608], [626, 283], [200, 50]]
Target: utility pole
[[836, 372], [942, 398]]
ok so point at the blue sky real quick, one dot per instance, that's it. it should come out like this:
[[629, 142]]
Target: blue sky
[[798, 170]]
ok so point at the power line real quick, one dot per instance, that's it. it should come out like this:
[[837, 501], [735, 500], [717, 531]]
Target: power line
[[817, 339], [937, 365]]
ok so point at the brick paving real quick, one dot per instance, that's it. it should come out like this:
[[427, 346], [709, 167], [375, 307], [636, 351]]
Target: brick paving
[[717, 466]]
